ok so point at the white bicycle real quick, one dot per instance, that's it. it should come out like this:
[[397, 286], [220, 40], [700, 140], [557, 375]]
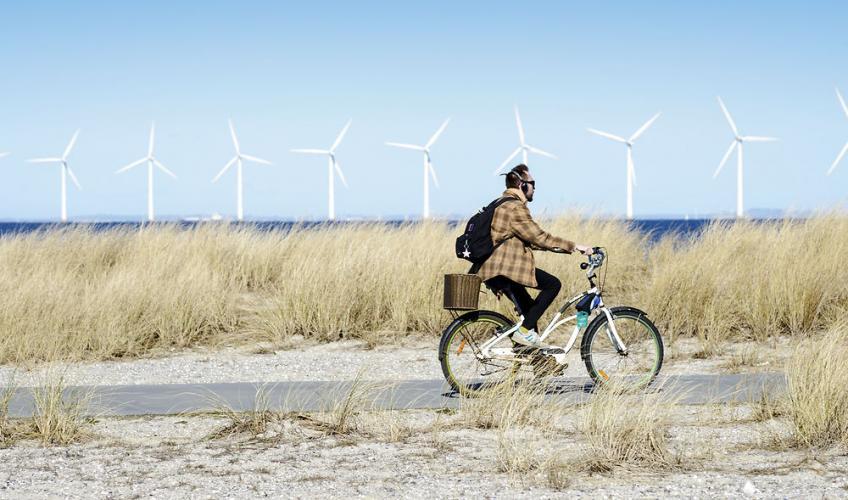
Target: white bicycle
[[619, 343]]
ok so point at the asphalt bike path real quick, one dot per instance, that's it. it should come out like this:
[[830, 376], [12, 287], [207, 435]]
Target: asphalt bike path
[[174, 399]]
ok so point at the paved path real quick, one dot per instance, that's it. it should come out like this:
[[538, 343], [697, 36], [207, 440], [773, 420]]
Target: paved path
[[310, 396]]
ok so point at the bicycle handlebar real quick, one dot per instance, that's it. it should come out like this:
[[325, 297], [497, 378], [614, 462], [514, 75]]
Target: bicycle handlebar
[[596, 260]]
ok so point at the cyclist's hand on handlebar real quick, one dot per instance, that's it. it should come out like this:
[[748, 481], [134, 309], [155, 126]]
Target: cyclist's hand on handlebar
[[583, 249]]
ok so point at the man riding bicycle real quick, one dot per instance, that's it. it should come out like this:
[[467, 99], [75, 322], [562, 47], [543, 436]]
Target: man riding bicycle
[[511, 267]]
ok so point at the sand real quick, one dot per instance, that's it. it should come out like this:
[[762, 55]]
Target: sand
[[723, 454]]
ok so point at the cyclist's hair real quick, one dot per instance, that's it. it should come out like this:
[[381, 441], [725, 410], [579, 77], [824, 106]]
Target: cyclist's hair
[[515, 176]]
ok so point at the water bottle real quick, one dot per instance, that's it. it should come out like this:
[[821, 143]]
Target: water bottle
[[582, 319]]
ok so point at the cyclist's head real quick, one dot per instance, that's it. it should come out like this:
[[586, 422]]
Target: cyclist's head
[[520, 178]]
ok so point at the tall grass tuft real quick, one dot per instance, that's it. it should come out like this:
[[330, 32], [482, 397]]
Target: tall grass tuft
[[253, 422], [59, 417], [818, 390], [627, 430], [8, 428]]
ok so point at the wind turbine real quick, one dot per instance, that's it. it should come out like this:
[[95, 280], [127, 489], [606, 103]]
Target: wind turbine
[[631, 172], [428, 167], [523, 147], [845, 147], [66, 171], [238, 160], [738, 141], [332, 166], [151, 162]]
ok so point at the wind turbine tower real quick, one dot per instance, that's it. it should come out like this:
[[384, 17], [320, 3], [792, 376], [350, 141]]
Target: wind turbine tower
[[523, 147], [332, 169], [631, 172], [151, 162], [428, 166], [738, 142], [238, 160], [66, 172]]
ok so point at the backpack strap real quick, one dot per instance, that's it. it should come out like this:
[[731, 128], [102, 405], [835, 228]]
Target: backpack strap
[[477, 265]]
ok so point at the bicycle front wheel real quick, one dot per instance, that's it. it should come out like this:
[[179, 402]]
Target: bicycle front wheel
[[459, 353], [638, 364]]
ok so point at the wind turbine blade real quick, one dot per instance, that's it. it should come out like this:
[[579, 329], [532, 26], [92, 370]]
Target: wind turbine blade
[[437, 134], [608, 135], [406, 146], [311, 151], [341, 136], [257, 160], [540, 152], [131, 165], [755, 138], [838, 158], [73, 177], [150, 144], [226, 167], [842, 102], [433, 176], [644, 127], [70, 145], [724, 159], [339, 171], [233, 135], [45, 160], [509, 159], [520, 126], [727, 115], [164, 168]]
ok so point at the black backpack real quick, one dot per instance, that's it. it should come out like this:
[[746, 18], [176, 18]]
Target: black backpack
[[475, 244]]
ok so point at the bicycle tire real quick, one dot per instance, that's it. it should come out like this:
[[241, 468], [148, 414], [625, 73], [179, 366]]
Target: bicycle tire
[[643, 361], [460, 340]]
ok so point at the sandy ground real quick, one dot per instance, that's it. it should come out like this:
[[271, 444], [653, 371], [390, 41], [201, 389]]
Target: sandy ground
[[416, 358], [722, 452]]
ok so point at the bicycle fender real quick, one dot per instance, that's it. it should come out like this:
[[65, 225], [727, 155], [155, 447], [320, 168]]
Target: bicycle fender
[[616, 309]]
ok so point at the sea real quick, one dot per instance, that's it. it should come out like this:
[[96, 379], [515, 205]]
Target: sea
[[653, 228]]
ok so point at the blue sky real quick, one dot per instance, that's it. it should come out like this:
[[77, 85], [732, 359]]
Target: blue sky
[[291, 74]]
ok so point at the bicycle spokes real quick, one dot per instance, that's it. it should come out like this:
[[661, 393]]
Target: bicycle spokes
[[636, 359]]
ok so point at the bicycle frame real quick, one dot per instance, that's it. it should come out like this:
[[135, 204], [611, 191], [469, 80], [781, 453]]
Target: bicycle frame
[[488, 351]]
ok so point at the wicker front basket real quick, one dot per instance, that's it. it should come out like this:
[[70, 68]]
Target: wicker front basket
[[462, 291]]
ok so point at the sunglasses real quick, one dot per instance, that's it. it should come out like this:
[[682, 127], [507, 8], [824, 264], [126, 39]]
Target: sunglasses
[[532, 183]]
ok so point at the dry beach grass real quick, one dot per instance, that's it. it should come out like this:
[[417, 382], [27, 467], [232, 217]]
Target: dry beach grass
[[78, 294]]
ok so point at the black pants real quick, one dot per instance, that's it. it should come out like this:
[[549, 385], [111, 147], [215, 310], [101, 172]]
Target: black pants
[[532, 310]]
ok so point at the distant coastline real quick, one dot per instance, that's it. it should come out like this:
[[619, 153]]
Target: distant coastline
[[656, 228]]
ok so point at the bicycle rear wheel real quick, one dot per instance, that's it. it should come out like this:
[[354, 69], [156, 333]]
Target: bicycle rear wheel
[[459, 353], [639, 365]]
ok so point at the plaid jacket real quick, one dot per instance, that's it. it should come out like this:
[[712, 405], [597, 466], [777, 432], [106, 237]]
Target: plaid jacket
[[513, 225]]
